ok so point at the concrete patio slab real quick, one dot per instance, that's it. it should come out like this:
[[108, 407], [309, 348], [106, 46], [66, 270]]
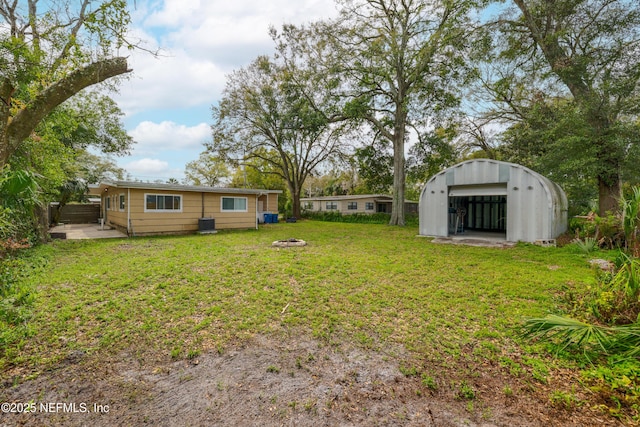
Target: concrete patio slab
[[84, 231]]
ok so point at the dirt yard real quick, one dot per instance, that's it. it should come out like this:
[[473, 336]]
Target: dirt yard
[[299, 382]]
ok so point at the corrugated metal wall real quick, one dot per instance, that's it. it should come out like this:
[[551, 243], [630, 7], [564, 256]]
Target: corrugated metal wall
[[536, 207]]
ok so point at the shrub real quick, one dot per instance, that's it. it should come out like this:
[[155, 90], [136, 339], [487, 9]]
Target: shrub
[[610, 327], [621, 230], [375, 218], [586, 246], [614, 298], [16, 296]]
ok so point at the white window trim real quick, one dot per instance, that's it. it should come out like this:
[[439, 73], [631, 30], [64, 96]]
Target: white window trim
[[371, 208], [122, 197], [334, 206], [246, 203], [355, 204], [162, 210]]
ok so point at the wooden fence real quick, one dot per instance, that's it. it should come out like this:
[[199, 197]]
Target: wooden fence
[[77, 214]]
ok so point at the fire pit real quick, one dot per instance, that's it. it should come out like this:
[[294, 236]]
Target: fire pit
[[288, 243]]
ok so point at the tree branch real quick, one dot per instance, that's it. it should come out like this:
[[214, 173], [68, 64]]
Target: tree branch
[[25, 121]]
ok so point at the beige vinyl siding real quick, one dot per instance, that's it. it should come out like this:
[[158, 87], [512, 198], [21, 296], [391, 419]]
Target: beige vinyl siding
[[115, 217], [272, 203], [186, 221], [225, 220], [194, 204], [269, 202]]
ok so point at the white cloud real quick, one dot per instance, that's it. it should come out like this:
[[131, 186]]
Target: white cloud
[[169, 136], [200, 42], [178, 13], [170, 82], [169, 97], [153, 167]]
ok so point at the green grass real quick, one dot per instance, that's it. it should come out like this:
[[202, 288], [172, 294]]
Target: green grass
[[372, 285]]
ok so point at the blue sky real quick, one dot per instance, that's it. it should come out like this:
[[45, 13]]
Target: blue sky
[[167, 100]]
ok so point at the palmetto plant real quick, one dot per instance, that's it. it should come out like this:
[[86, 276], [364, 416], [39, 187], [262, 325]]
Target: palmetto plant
[[567, 332], [615, 303]]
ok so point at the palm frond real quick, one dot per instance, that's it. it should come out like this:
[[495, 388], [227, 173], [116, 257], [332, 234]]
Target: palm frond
[[627, 340], [565, 332]]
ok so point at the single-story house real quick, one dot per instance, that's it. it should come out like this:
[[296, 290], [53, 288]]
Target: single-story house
[[141, 208], [490, 196], [360, 203]]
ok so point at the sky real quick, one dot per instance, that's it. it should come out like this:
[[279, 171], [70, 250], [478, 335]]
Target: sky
[[167, 100]]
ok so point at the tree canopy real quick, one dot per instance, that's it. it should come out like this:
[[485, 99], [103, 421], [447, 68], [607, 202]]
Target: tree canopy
[[267, 113], [565, 76], [400, 61], [207, 170], [48, 56], [549, 84]]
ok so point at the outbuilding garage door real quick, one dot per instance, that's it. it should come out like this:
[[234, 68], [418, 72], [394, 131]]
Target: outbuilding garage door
[[478, 207]]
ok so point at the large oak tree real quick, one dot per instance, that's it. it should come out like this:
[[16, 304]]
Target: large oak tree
[[270, 113], [400, 60], [584, 51], [48, 56]]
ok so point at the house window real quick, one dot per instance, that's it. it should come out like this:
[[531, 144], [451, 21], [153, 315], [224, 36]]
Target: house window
[[234, 204], [308, 205], [108, 202], [331, 206], [162, 203], [121, 204], [368, 206], [352, 206]]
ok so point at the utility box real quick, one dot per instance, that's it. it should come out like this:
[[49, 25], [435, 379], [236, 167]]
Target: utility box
[[206, 224]]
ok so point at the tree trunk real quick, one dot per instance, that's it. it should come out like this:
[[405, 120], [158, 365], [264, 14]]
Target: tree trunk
[[609, 194], [609, 158], [397, 206], [295, 200], [6, 92]]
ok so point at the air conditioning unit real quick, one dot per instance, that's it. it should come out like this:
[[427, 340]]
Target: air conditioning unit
[[206, 224]]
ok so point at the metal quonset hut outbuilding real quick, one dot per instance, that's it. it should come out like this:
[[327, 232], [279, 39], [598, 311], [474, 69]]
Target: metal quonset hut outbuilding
[[491, 196]]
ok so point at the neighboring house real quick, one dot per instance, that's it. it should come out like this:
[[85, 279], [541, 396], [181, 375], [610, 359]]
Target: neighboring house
[[489, 196], [361, 203], [140, 208]]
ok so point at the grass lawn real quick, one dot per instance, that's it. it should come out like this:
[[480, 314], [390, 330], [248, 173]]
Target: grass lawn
[[372, 285]]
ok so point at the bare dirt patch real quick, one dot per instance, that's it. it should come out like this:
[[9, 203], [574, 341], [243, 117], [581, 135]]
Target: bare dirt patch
[[270, 382]]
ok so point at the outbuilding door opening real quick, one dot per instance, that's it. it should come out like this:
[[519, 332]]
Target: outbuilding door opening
[[478, 214]]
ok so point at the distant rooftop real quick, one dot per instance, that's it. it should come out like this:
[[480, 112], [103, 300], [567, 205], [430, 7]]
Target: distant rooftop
[[180, 187], [378, 197]]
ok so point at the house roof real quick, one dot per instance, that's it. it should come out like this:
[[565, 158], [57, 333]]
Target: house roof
[[348, 197], [377, 197], [179, 187]]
